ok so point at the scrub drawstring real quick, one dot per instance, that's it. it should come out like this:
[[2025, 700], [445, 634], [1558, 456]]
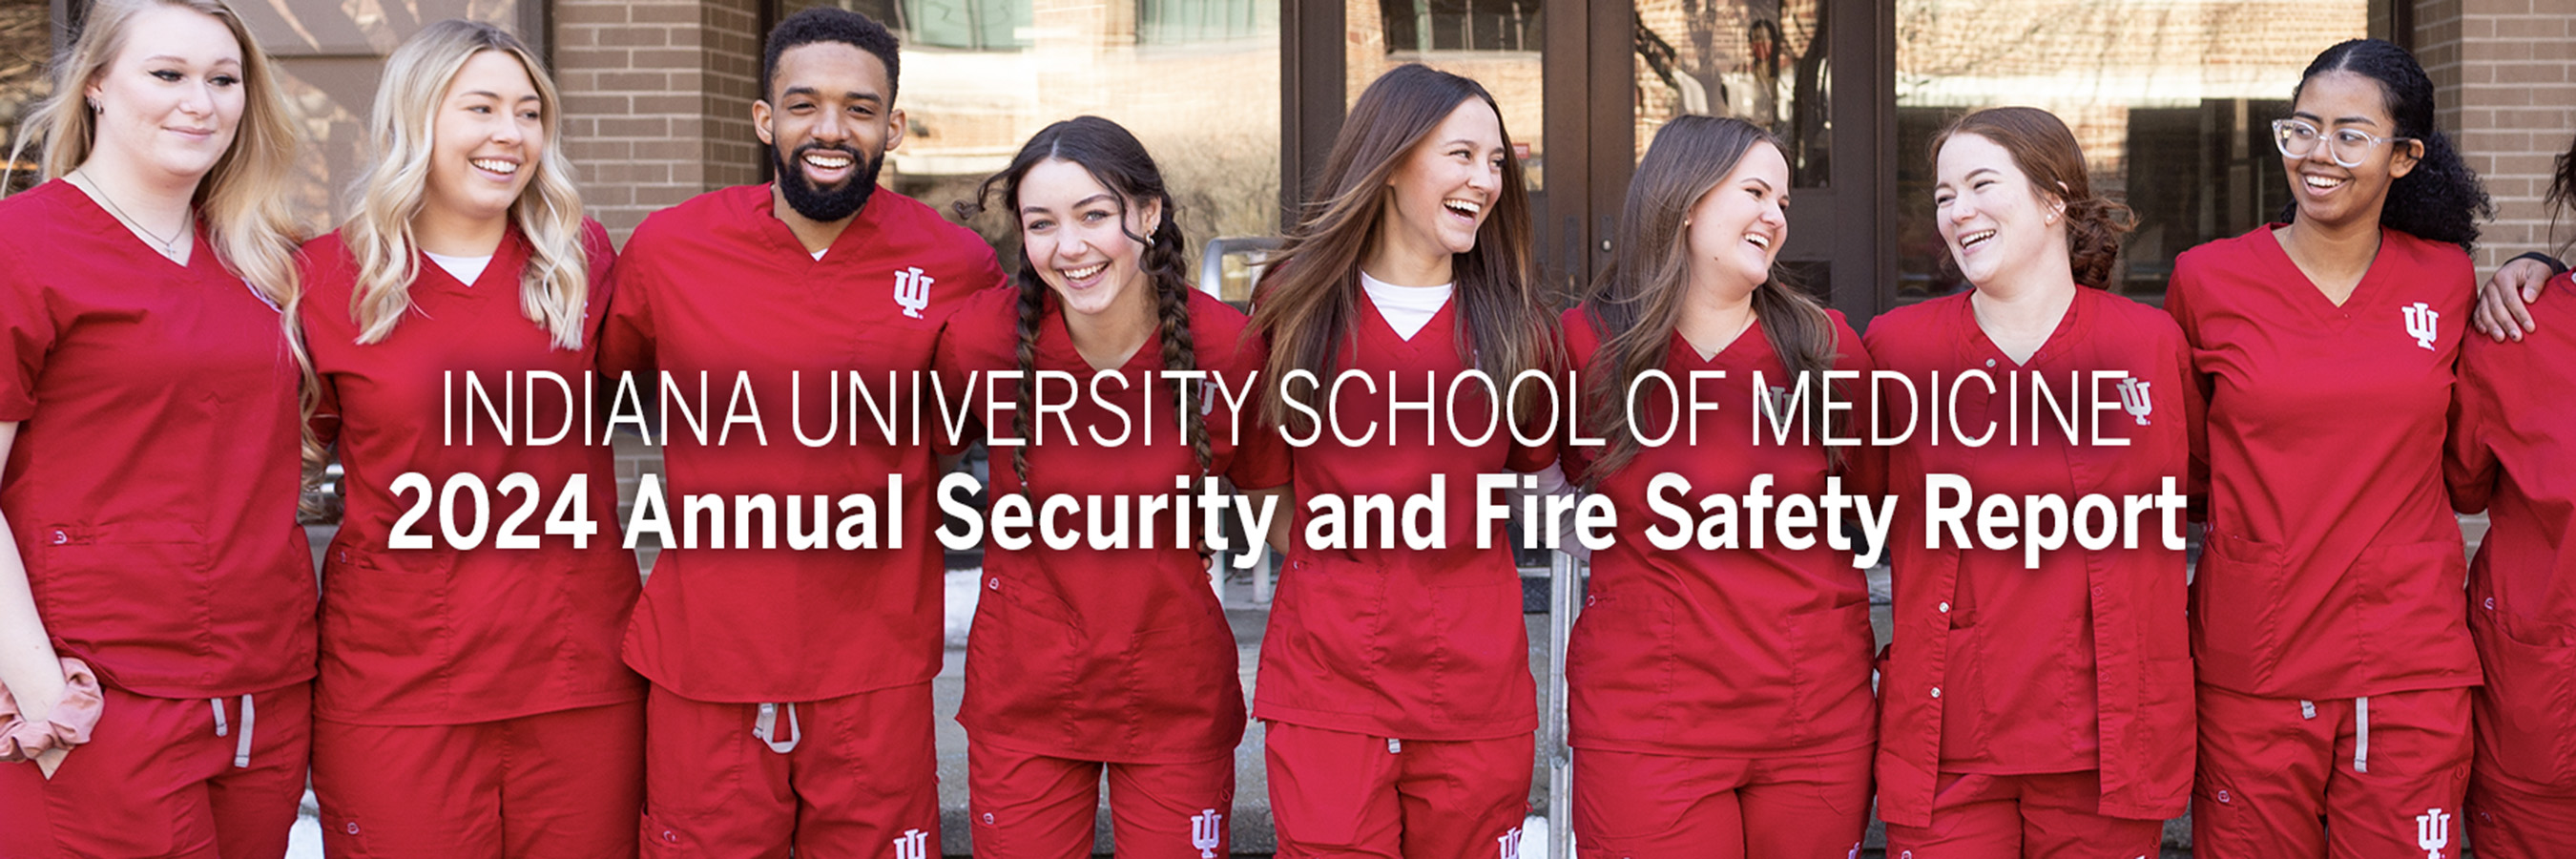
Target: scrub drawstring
[[766, 728], [2360, 729], [249, 720]]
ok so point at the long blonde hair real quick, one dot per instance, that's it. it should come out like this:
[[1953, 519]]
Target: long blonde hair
[[242, 199], [402, 128]]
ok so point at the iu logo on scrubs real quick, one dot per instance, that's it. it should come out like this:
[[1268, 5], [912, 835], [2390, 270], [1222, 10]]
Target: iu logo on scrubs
[[913, 844], [2432, 831], [912, 291], [1510, 844], [1207, 831], [2133, 397], [2423, 323]]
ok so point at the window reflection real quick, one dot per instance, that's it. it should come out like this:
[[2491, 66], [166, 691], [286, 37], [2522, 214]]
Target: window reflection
[[1196, 80], [1496, 42], [2171, 103], [1461, 25], [1762, 61]]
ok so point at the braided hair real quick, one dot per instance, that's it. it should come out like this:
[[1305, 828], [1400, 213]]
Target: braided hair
[[1117, 160]]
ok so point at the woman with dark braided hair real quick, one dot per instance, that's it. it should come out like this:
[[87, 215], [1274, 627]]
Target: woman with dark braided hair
[[2513, 454], [2327, 618], [1084, 659]]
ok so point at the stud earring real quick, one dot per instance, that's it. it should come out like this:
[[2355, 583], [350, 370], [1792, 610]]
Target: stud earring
[[95, 107]]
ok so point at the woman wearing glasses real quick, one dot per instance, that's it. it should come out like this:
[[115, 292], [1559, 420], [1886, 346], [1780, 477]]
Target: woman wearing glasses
[[2327, 616]]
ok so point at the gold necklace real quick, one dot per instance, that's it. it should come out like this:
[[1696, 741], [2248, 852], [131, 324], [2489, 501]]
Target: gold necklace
[[168, 247]]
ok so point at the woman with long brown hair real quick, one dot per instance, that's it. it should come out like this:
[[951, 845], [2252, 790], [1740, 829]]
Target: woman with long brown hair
[[1719, 698], [1395, 681], [2036, 703], [156, 604]]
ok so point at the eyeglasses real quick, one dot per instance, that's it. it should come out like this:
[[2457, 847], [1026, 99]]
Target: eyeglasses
[[2347, 146]]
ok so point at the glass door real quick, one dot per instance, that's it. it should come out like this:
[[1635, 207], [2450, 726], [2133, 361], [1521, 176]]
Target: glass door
[[1583, 87]]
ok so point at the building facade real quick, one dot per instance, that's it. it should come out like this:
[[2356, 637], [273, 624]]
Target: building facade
[[1239, 99]]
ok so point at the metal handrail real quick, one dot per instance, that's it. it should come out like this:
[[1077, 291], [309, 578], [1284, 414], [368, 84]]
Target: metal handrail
[[1565, 601], [1212, 259]]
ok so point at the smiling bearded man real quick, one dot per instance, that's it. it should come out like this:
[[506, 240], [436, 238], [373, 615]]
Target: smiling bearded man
[[790, 701]]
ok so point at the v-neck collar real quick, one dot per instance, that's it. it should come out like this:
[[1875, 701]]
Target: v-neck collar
[[1375, 324], [2312, 299], [2071, 329], [764, 212], [201, 253], [1728, 355], [508, 258], [1056, 347]]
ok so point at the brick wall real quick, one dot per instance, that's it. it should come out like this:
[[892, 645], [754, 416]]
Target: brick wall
[[657, 109], [657, 100], [2505, 75]]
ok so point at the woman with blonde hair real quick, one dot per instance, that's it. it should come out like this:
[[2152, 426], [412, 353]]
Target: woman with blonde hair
[[156, 594], [471, 702]]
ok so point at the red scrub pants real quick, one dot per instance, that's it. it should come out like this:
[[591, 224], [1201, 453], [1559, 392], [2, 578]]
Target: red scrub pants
[[1027, 806], [1640, 806], [849, 776], [566, 783], [2371, 777], [183, 778], [2522, 787], [2052, 815], [1340, 794]]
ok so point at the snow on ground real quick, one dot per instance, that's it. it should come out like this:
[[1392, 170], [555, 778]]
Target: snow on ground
[[305, 841], [962, 591]]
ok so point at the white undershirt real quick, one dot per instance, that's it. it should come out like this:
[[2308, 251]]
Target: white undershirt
[[464, 269], [1406, 308], [818, 255]]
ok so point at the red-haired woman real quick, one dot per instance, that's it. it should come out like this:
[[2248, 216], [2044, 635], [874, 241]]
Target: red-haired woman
[[2036, 703]]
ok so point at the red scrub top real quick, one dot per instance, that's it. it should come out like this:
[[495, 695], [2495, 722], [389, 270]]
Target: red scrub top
[[153, 483], [1734, 652], [1402, 643], [439, 636], [2333, 567], [719, 285], [2083, 663], [2513, 454], [1107, 654]]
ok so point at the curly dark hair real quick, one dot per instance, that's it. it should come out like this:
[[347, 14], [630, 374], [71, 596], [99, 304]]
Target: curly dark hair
[[2441, 199], [831, 24], [2562, 191]]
